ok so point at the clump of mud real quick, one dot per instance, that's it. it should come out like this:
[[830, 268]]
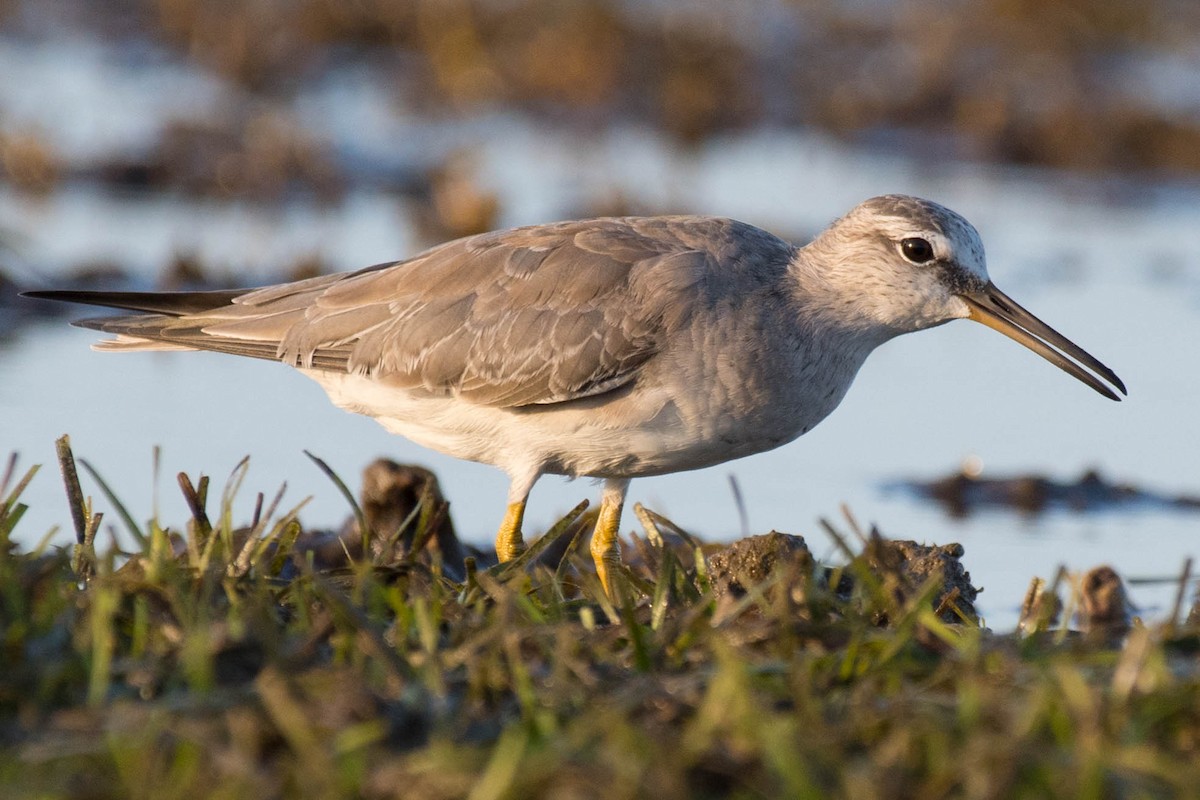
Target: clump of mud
[[966, 491]]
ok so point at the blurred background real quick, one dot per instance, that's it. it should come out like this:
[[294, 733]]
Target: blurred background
[[196, 143]]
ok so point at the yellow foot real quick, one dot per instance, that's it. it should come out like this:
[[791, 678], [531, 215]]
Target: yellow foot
[[509, 542], [606, 549]]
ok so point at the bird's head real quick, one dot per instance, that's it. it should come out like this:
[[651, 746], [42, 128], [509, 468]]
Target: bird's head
[[899, 264]]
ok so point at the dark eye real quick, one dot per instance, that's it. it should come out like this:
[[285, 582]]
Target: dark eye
[[918, 251]]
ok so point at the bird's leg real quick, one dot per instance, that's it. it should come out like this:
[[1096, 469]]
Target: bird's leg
[[606, 551], [509, 542]]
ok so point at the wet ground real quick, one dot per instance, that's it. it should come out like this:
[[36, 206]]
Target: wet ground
[[250, 661]]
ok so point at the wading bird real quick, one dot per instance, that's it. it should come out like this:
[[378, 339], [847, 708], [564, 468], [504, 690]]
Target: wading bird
[[610, 348]]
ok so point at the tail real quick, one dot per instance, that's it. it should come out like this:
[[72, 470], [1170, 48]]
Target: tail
[[171, 304], [163, 323], [271, 322]]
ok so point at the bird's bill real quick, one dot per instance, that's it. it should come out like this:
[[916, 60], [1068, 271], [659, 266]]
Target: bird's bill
[[999, 312]]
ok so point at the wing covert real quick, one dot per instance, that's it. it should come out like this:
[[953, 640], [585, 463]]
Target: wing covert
[[528, 316]]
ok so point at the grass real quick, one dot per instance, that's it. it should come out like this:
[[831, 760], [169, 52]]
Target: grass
[[216, 662]]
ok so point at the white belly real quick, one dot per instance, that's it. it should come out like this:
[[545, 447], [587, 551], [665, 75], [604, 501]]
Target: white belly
[[642, 434], [655, 427]]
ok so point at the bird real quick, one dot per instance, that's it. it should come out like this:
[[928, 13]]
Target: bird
[[612, 348]]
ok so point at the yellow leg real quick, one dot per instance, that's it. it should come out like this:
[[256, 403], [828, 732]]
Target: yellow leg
[[509, 542], [606, 549]]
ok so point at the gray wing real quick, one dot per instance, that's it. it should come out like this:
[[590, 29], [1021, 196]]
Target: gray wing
[[532, 315]]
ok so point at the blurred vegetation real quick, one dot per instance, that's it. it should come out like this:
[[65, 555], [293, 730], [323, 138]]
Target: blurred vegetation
[[219, 662], [1004, 80], [1096, 85]]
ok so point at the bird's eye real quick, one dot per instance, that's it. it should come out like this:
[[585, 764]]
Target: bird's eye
[[916, 250]]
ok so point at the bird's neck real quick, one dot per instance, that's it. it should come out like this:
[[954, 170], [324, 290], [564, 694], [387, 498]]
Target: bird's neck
[[830, 301]]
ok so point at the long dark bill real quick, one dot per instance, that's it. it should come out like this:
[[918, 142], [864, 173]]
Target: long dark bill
[[999, 312]]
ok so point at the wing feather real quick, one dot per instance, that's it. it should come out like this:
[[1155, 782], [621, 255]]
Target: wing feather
[[535, 315]]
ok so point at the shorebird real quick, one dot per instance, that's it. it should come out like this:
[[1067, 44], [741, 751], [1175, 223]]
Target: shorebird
[[611, 348]]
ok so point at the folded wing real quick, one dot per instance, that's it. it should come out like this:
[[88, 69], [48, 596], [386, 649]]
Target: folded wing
[[535, 315]]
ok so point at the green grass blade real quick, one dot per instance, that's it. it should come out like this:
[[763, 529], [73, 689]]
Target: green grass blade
[[130, 524], [359, 516]]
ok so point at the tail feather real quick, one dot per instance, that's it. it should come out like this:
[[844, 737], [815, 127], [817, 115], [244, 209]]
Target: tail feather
[[164, 332], [172, 304], [121, 342], [213, 320], [161, 332], [164, 323]]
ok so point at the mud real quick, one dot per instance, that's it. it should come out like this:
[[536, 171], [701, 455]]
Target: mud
[[963, 493]]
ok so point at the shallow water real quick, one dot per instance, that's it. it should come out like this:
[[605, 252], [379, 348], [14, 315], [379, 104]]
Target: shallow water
[[1121, 277]]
